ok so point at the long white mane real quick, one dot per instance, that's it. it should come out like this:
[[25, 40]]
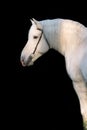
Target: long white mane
[[70, 39], [57, 30]]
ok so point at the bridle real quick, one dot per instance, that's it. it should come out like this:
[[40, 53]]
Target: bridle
[[31, 56], [39, 41]]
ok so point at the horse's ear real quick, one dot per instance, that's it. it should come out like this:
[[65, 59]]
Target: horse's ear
[[37, 23], [32, 21]]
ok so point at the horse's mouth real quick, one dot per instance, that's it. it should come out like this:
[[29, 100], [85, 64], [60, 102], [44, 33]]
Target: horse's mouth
[[27, 63]]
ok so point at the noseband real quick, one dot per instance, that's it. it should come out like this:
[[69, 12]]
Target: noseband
[[39, 41]]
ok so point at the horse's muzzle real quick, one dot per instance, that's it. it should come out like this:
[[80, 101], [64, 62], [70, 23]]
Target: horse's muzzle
[[26, 62]]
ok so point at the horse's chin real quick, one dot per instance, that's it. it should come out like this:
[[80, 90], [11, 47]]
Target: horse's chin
[[30, 64]]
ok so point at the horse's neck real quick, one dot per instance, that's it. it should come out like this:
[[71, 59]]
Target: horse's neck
[[51, 31], [61, 33]]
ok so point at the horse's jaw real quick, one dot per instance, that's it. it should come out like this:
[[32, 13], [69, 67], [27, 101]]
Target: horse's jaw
[[36, 57]]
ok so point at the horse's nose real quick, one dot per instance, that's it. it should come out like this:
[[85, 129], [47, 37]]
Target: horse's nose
[[26, 61], [22, 59]]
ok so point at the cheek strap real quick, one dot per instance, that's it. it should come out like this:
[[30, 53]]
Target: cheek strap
[[38, 42]]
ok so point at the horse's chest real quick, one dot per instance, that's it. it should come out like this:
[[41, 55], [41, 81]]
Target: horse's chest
[[73, 69]]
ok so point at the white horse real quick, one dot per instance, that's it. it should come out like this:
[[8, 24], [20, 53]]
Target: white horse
[[70, 39]]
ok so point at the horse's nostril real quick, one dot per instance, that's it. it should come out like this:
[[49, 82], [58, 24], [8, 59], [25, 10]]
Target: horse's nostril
[[22, 59]]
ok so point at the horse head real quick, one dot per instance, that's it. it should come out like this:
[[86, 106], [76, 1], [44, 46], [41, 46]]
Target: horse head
[[36, 45]]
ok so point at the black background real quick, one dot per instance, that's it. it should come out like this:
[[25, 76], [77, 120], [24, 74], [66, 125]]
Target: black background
[[44, 94]]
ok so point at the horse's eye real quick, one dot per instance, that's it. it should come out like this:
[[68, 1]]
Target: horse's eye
[[35, 37]]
